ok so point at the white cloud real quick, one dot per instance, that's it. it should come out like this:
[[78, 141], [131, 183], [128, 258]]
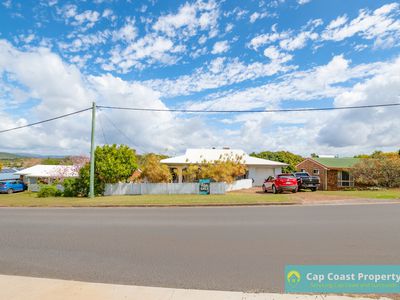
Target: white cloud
[[61, 88], [288, 40], [257, 16], [126, 33], [190, 18], [84, 20], [302, 2], [220, 47], [381, 23], [219, 72], [320, 82], [264, 39], [229, 27], [7, 3], [276, 56], [372, 128], [149, 49]]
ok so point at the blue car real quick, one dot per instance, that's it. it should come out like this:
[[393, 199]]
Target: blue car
[[11, 186]]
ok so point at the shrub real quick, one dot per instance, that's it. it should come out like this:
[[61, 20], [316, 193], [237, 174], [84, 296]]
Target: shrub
[[70, 187], [379, 172], [154, 171], [48, 191], [225, 169]]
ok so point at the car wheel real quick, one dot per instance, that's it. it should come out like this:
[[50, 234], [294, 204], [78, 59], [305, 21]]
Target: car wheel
[[10, 191], [294, 191], [313, 189], [274, 190], [264, 189]]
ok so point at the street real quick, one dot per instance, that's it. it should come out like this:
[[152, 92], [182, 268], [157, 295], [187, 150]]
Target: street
[[224, 248]]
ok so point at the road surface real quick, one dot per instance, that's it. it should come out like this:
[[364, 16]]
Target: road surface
[[224, 248]]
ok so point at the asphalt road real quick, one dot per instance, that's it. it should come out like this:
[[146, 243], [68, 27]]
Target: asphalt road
[[235, 248]]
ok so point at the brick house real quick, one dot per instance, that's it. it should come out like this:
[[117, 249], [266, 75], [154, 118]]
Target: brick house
[[335, 173]]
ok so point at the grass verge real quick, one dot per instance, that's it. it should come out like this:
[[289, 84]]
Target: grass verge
[[28, 199], [379, 194]]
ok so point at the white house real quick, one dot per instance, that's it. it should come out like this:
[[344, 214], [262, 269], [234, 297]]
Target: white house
[[47, 172], [258, 169]]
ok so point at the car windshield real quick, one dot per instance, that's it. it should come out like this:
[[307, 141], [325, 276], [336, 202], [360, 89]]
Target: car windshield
[[302, 174], [286, 176]]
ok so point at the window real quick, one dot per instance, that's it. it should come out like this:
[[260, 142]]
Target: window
[[316, 172], [303, 170], [345, 179]]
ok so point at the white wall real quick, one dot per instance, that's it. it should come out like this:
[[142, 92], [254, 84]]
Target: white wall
[[260, 173], [239, 185]]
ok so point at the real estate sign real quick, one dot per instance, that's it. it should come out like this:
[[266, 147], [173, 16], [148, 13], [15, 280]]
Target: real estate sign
[[204, 186]]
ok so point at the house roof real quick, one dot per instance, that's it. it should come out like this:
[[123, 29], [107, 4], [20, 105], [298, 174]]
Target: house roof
[[336, 162], [194, 156], [8, 173], [53, 171]]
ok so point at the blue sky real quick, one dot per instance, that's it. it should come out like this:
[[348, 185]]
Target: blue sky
[[59, 56]]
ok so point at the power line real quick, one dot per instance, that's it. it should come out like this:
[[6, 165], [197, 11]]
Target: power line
[[102, 130], [120, 131], [47, 120], [201, 111], [247, 111]]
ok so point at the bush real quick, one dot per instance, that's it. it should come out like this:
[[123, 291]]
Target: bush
[[154, 171], [378, 172], [70, 187], [48, 191]]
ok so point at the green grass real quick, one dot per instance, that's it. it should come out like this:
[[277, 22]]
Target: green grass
[[28, 199], [380, 194]]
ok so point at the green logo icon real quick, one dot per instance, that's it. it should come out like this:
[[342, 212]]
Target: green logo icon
[[293, 277]]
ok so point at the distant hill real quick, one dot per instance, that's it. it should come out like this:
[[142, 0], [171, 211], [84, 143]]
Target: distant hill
[[5, 155]]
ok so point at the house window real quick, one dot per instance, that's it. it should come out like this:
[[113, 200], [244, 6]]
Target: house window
[[316, 172], [345, 179], [303, 170]]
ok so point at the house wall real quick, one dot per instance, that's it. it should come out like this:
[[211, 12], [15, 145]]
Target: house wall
[[333, 180], [309, 166], [260, 173], [329, 178]]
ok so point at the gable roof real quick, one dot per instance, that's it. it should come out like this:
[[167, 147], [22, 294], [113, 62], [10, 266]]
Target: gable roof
[[336, 162], [194, 156]]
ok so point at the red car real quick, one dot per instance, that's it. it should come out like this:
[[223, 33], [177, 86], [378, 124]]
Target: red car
[[282, 182]]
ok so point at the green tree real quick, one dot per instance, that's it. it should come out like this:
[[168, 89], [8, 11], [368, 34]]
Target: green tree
[[282, 156], [154, 171], [112, 164]]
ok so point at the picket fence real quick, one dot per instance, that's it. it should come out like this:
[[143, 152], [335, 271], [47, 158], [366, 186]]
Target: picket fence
[[216, 188]]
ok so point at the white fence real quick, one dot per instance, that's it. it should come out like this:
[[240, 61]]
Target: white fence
[[172, 188], [239, 185]]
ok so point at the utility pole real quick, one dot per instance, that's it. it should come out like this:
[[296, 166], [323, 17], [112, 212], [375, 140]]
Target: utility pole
[[92, 148]]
